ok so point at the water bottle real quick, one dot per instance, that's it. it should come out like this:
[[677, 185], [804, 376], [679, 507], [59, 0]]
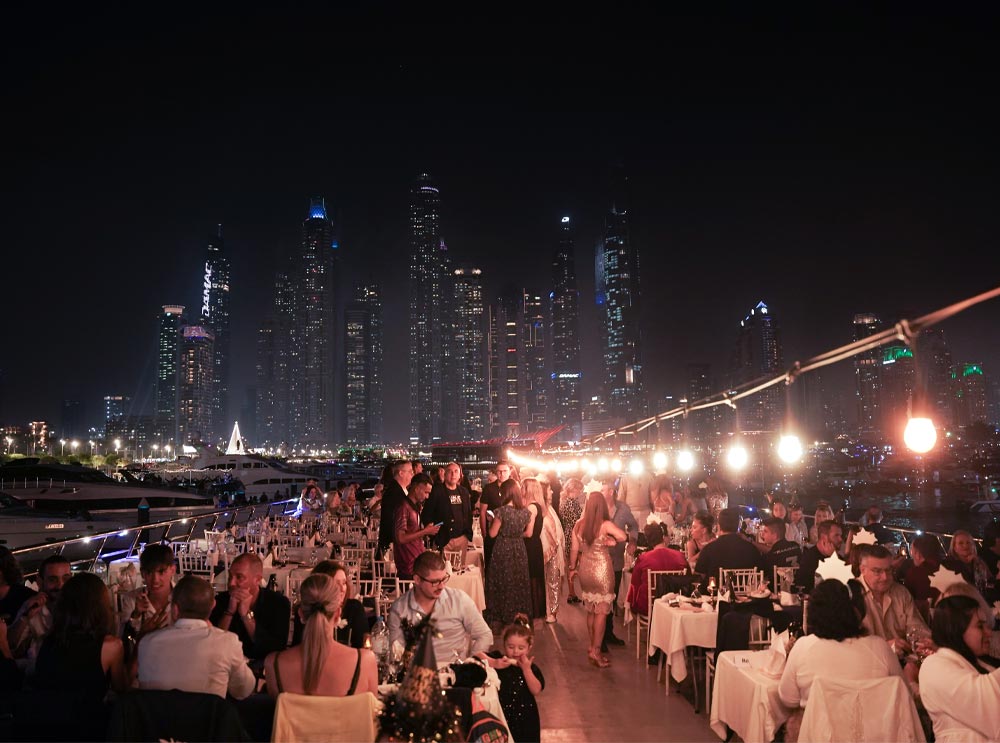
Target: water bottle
[[380, 645]]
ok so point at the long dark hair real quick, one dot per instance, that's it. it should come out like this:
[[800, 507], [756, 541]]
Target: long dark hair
[[836, 610], [83, 610], [595, 513], [951, 618]]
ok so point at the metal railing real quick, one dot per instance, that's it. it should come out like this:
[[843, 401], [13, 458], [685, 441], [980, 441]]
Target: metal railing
[[84, 553]]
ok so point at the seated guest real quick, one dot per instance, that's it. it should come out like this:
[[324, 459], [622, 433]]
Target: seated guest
[[658, 557], [81, 652], [838, 647], [10, 674], [829, 535], [702, 532], [34, 619], [797, 531], [258, 616], [926, 553], [191, 654], [148, 607], [889, 608], [874, 525], [856, 554], [457, 621], [13, 592], [779, 552], [962, 699], [355, 632], [729, 550], [321, 666], [963, 558], [823, 513]]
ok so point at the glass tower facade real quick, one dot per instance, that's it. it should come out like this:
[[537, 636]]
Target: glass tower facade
[[195, 395], [167, 359], [867, 376], [468, 326], [428, 311], [363, 365], [759, 354], [215, 315], [566, 374]]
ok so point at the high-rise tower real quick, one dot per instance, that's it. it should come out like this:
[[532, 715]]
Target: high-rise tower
[[867, 375], [428, 311], [759, 354], [567, 376], [363, 362], [313, 366], [274, 365], [215, 315], [534, 364], [618, 293], [195, 396], [468, 360], [167, 358]]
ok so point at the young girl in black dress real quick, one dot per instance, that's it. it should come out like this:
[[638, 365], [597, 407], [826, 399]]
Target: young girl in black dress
[[520, 681]]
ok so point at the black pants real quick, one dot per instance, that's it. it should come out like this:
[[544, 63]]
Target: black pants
[[609, 626]]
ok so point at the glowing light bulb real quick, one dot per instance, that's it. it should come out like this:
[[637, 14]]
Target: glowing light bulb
[[919, 435], [635, 467], [660, 460], [790, 449], [616, 465], [602, 464], [737, 457], [685, 461]]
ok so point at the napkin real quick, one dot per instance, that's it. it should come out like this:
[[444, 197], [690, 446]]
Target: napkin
[[309, 541], [268, 560]]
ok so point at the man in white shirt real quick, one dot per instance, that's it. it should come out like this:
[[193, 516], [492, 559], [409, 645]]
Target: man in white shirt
[[460, 628], [891, 612], [192, 655]]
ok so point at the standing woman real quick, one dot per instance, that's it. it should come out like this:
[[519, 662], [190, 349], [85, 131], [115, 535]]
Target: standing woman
[[508, 592], [534, 499], [663, 501], [962, 699], [589, 558], [683, 506], [553, 544]]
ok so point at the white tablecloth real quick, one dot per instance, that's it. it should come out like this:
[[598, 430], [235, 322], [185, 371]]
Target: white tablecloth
[[744, 698], [673, 630], [471, 581]]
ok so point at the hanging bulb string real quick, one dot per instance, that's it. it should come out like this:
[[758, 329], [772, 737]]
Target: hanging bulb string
[[905, 330]]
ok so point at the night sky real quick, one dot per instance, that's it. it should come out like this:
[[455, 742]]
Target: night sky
[[827, 164]]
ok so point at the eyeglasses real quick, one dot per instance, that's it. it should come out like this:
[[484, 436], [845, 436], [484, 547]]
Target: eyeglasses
[[434, 583], [879, 571]]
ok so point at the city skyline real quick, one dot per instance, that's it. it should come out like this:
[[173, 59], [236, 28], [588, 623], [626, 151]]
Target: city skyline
[[822, 182]]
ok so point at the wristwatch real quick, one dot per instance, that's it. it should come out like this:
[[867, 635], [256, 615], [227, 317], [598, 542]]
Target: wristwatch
[[248, 615]]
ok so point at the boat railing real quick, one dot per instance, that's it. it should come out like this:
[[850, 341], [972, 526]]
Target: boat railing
[[94, 551]]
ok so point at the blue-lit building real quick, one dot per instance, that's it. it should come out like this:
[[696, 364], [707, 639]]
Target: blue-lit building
[[214, 312]]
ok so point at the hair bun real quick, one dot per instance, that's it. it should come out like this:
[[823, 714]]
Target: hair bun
[[522, 619]]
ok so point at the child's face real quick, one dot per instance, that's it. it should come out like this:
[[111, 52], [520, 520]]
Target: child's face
[[515, 646]]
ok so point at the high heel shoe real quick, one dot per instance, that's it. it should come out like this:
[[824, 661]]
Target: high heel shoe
[[598, 661]]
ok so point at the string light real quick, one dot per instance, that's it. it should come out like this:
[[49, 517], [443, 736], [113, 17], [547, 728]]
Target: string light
[[919, 435], [685, 461], [660, 461], [790, 449], [635, 467], [737, 457]]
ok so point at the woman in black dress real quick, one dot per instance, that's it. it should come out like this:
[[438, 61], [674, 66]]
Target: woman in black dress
[[534, 497], [508, 590]]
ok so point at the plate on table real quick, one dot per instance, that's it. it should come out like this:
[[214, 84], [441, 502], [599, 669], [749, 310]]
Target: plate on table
[[760, 595]]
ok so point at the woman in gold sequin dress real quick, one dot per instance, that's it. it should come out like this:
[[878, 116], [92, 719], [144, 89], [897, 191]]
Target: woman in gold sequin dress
[[589, 558]]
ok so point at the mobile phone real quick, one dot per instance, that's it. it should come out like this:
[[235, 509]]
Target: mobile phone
[[489, 513], [439, 523]]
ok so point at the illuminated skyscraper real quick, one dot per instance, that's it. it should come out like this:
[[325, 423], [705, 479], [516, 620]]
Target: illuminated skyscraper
[[428, 311], [567, 376], [168, 356], [505, 363], [867, 375], [363, 357], [969, 390], [934, 359], [313, 369], [759, 354], [215, 315], [195, 395], [618, 296], [534, 364], [467, 368], [898, 376], [274, 364]]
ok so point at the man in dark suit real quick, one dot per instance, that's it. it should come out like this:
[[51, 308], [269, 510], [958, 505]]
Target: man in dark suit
[[730, 550], [829, 536], [490, 501], [392, 498], [451, 505]]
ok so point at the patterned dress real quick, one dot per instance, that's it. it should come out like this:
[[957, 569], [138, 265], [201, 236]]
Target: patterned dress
[[570, 512], [508, 590]]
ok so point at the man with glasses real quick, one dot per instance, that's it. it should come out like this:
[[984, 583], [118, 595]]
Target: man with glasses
[[453, 613], [890, 610]]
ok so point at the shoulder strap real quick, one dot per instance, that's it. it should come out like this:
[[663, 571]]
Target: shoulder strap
[[277, 673], [357, 674]]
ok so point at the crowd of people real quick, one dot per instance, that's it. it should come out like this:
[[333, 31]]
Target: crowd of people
[[546, 542]]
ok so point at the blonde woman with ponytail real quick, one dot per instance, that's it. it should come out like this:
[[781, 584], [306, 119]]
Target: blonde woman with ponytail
[[321, 666]]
